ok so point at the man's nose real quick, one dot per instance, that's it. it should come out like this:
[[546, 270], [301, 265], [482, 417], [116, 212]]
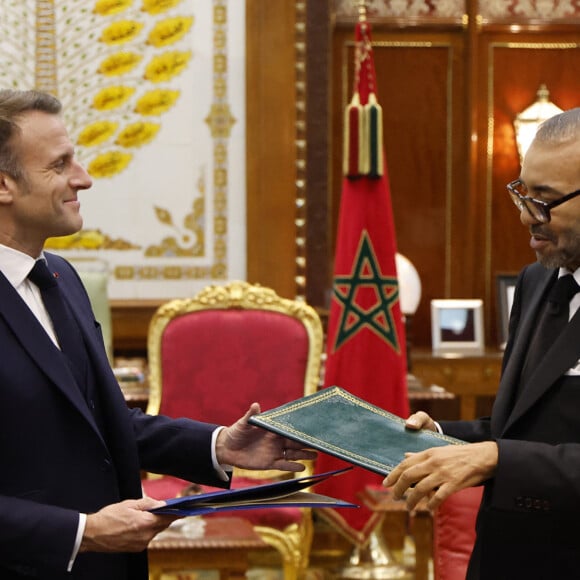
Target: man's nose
[[527, 218], [81, 178]]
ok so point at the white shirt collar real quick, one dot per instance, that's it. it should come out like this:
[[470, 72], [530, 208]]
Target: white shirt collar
[[15, 265]]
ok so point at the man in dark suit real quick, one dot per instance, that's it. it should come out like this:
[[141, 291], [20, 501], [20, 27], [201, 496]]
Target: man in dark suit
[[527, 454], [71, 504]]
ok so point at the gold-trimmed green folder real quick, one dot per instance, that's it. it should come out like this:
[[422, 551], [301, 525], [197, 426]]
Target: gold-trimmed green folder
[[339, 423]]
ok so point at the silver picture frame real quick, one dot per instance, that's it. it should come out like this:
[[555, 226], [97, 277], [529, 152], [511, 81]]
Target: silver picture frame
[[457, 326]]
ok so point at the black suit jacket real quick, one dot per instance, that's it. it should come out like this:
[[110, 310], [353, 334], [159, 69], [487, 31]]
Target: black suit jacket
[[56, 460], [527, 525]]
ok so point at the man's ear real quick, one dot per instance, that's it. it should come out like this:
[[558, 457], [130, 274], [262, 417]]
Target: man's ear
[[7, 186]]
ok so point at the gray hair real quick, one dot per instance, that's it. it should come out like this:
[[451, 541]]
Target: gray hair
[[560, 128], [13, 104]]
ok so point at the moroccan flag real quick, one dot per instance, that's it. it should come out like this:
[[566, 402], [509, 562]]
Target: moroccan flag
[[366, 338]]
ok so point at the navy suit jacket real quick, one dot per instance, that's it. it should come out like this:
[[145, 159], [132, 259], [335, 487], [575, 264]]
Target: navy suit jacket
[[57, 461], [527, 525]]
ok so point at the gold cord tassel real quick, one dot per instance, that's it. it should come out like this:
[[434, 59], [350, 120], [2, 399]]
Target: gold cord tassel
[[363, 138], [374, 118], [355, 154]]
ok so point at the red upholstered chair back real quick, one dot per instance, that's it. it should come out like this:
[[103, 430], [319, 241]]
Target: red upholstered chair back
[[212, 355], [214, 363], [454, 534]]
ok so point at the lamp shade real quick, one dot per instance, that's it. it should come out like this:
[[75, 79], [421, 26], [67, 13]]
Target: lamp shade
[[409, 284], [527, 122]]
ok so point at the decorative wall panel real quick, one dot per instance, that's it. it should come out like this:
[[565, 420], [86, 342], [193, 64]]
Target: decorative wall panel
[[487, 9], [403, 8], [529, 9], [153, 94]]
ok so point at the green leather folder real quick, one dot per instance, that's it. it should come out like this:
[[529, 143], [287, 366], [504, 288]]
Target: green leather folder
[[336, 422]]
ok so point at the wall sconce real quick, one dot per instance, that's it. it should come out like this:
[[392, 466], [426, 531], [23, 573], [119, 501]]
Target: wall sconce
[[527, 122]]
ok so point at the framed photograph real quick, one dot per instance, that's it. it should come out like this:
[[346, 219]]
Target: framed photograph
[[457, 326], [505, 287]]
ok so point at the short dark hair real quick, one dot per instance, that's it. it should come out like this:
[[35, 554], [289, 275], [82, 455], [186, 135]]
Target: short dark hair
[[560, 128], [13, 104]]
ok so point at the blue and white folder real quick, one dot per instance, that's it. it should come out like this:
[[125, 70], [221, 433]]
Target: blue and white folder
[[287, 493]]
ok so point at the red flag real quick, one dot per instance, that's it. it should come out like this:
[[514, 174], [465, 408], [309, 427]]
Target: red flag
[[366, 338]]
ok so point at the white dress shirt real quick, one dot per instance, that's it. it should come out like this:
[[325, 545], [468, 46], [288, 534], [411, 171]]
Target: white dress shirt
[[574, 304]]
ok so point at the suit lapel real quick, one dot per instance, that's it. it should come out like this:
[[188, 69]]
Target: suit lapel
[[517, 346], [74, 294], [77, 299], [119, 433], [562, 355], [87, 328], [515, 355], [36, 342]]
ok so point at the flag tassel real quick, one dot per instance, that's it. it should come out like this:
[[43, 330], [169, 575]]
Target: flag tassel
[[363, 138], [374, 119], [355, 155]]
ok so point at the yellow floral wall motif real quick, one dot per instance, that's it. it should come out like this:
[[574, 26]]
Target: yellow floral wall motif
[[128, 47], [88, 240], [147, 88], [121, 59]]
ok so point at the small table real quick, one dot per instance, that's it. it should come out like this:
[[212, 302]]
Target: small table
[[435, 401], [224, 546], [473, 378]]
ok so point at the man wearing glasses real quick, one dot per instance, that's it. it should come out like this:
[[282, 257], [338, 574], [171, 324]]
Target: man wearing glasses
[[527, 454]]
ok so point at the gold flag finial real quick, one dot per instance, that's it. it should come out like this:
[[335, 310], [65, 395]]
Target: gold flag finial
[[362, 10]]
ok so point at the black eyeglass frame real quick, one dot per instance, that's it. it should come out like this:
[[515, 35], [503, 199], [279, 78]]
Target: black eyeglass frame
[[538, 209]]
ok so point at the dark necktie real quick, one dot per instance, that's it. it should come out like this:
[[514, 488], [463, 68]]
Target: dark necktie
[[551, 323], [66, 328]]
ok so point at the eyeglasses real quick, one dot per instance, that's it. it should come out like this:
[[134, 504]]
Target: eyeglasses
[[538, 209]]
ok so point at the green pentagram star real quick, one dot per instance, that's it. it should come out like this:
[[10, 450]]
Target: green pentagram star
[[367, 278]]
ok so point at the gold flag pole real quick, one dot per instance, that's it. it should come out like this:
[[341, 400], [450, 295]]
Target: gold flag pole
[[374, 560]]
